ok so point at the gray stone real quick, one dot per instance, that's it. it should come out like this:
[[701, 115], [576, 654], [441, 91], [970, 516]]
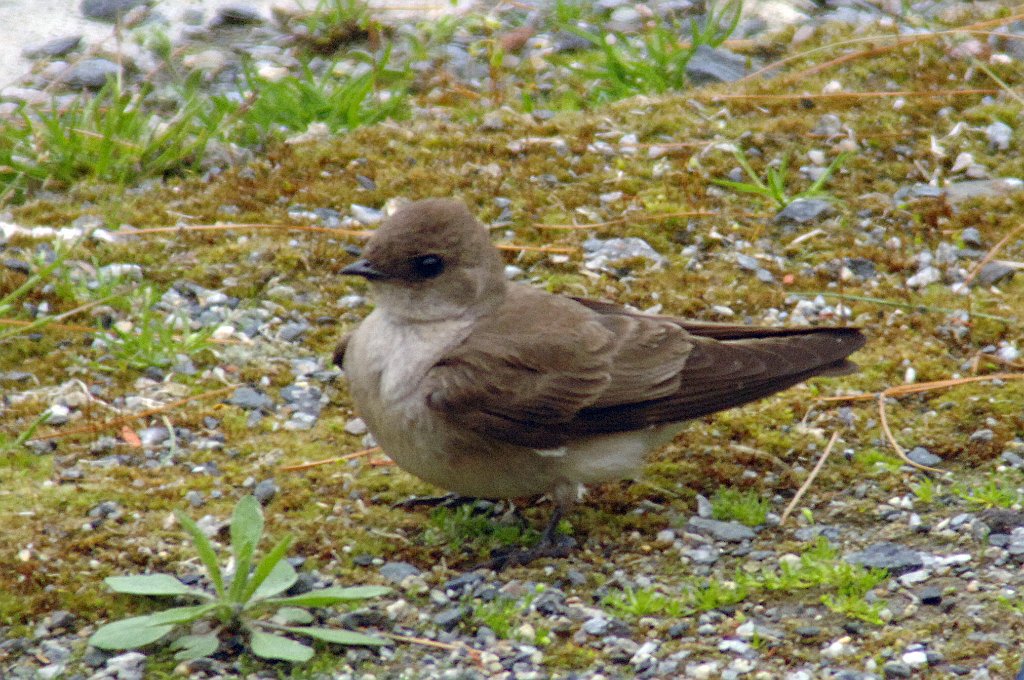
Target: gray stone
[[396, 572], [971, 237], [58, 47], [54, 651], [804, 210], [926, 277], [897, 559], [862, 267], [251, 399], [293, 331], [450, 618], [129, 666], [109, 10], [715, 65], [930, 596], [265, 491], [994, 272], [733, 532], [982, 436], [595, 626], [923, 456], [999, 135], [91, 74], [896, 669], [238, 14], [599, 254]]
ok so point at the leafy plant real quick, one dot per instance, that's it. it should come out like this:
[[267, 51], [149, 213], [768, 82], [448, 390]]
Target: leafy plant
[[925, 490], [746, 507], [239, 603], [773, 186]]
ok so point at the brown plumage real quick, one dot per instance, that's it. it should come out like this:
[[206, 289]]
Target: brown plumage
[[496, 389]]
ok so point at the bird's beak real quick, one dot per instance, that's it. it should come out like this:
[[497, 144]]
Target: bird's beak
[[365, 269]]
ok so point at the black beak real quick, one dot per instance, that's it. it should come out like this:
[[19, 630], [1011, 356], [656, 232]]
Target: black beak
[[365, 269]]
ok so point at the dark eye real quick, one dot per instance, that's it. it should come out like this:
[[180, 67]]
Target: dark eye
[[428, 266]]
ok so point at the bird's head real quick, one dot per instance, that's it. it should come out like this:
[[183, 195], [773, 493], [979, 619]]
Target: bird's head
[[432, 260]]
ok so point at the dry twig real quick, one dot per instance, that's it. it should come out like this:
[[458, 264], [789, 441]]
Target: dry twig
[[810, 478]]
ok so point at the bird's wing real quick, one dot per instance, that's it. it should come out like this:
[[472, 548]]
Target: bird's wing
[[547, 369], [524, 375]]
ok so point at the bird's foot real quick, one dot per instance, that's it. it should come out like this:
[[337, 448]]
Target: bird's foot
[[553, 543], [450, 500]]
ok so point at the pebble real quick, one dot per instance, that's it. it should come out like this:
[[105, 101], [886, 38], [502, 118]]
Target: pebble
[[715, 65], [923, 456], [356, 427], [91, 74], [449, 618], [896, 669], [251, 399], [600, 254], [731, 531], [265, 491], [128, 666], [109, 10], [396, 572], [804, 211], [999, 135], [58, 47], [897, 559]]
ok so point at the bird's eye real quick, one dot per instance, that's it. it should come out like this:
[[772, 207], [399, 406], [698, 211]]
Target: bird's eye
[[428, 266]]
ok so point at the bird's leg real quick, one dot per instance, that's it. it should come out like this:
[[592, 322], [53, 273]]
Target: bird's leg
[[450, 500], [552, 543]]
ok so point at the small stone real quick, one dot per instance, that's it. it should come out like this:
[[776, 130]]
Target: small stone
[[58, 47], [130, 666], [396, 572], [927, 276], [896, 669], [91, 74], [195, 498], [885, 555], [109, 10], [808, 631], [356, 427], [804, 210], [982, 436], [595, 626], [251, 399], [292, 331], [449, 618], [366, 215], [732, 531], [704, 507], [494, 121], [1000, 135], [715, 65], [971, 237], [237, 14], [994, 272], [265, 491], [930, 596], [923, 456]]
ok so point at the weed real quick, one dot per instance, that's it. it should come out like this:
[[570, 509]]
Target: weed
[[875, 460], [925, 490], [746, 507], [498, 615], [773, 186], [340, 100], [237, 603], [154, 340], [644, 602], [656, 61], [995, 493]]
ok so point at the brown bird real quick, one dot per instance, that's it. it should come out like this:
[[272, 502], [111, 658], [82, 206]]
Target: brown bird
[[493, 389]]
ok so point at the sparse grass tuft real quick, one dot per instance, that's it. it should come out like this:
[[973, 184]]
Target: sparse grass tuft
[[746, 507], [466, 528], [773, 186], [994, 493]]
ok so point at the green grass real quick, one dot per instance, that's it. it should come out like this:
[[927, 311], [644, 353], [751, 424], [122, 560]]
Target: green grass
[[994, 493], [110, 137], [746, 507], [465, 528]]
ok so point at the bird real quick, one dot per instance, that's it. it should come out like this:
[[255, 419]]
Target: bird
[[495, 389]]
